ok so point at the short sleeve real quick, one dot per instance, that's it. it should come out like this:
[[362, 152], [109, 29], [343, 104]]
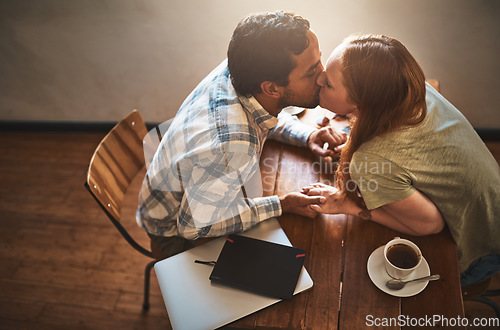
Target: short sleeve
[[380, 180]]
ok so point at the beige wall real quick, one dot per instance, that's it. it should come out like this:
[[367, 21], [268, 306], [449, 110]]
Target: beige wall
[[70, 60]]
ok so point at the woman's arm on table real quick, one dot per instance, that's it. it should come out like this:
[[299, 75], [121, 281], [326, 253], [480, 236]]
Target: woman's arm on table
[[414, 215]]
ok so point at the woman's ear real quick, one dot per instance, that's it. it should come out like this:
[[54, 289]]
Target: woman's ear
[[271, 89]]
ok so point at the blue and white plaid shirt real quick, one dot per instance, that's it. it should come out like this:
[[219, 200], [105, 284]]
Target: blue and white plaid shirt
[[193, 187]]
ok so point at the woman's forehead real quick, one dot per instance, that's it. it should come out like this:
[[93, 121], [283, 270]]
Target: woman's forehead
[[337, 53]]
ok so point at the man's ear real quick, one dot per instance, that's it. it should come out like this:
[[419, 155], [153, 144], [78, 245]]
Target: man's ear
[[271, 89]]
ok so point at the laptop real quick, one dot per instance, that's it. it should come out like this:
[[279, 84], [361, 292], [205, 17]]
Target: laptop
[[193, 302]]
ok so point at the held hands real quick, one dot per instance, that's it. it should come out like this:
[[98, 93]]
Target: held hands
[[318, 139], [335, 201], [318, 198], [299, 204]]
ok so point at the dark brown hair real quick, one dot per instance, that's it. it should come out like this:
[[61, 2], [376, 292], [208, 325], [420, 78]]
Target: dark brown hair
[[261, 49]]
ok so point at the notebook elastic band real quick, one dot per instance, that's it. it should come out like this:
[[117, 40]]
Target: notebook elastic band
[[208, 263]]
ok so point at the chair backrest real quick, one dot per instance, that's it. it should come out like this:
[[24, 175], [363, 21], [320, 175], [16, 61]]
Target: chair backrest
[[434, 83], [116, 162]]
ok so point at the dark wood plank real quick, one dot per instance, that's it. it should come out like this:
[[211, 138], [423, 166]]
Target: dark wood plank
[[269, 166], [296, 169], [360, 297], [443, 297], [19, 310], [60, 253], [52, 255], [71, 317], [56, 293], [127, 303], [325, 267], [74, 276], [326, 261], [290, 314]]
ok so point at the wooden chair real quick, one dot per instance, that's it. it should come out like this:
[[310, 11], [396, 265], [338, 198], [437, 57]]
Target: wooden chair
[[117, 161], [480, 293], [434, 83]]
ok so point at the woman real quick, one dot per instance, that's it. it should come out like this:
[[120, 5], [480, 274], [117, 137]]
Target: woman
[[413, 162]]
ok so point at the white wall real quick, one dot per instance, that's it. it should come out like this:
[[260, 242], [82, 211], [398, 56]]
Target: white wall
[[95, 60]]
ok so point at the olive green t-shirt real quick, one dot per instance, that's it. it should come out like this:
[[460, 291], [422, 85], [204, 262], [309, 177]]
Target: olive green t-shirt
[[444, 159]]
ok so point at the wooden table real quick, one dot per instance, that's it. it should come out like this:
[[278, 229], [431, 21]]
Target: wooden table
[[338, 247]]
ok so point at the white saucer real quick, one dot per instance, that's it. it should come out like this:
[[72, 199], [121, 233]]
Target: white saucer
[[379, 276]]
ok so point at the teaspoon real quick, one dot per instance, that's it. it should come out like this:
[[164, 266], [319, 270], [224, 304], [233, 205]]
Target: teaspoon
[[399, 284]]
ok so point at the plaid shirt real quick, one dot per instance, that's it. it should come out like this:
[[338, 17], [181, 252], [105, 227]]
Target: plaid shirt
[[193, 187]]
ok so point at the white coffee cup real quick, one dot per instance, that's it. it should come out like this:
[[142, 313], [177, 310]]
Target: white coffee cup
[[404, 257]]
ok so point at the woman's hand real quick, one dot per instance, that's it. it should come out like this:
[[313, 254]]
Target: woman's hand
[[327, 135], [336, 202]]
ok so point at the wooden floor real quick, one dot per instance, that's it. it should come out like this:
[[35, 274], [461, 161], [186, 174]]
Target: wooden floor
[[62, 263]]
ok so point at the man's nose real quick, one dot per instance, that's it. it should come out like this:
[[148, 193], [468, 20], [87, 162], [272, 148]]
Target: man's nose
[[321, 78]]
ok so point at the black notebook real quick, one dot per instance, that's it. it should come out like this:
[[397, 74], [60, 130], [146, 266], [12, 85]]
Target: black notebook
[[259, 266]]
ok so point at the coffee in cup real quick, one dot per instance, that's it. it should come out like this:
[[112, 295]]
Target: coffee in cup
[[402, 257]]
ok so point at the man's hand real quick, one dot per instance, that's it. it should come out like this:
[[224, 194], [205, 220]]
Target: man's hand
[[299, 204], [335, 139]]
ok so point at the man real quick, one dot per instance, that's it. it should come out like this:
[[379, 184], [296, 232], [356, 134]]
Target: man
[[201, 179]]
